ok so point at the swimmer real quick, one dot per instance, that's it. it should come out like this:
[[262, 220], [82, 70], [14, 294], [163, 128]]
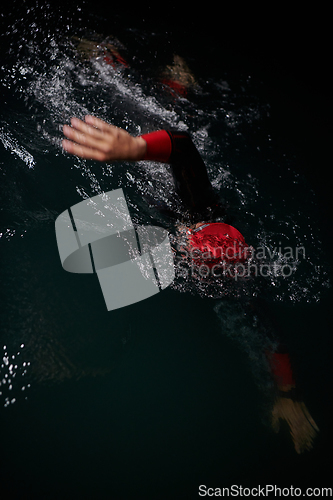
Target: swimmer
[[95, 139]]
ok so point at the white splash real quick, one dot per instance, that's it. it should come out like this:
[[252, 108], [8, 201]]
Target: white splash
[[11, 143]]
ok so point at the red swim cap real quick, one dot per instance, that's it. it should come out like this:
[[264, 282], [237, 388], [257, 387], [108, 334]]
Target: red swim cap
[[211, 244]]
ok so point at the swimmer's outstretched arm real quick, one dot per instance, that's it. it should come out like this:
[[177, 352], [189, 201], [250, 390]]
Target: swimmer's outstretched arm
[[95, 139]]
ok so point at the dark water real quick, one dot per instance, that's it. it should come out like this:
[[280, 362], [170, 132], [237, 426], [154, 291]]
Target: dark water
[[152, 400]]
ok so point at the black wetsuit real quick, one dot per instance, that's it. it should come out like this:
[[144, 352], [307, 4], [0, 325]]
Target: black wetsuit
[[202, 202], [189, 171]]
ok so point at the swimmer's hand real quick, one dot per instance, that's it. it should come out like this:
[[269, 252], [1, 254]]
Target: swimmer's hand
[[303, 428], [95, 139]]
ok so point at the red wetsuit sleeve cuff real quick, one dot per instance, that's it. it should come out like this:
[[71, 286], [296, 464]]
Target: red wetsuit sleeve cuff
[[281, 369], [159, 146]]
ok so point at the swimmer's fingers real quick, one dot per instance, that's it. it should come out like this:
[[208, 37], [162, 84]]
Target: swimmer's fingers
[[99, 124], [84, 139], [93, 126], [83, 131], [83, 151], [85, 145], [95, 139]]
